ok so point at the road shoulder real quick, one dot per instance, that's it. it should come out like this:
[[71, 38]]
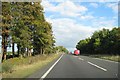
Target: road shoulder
[[40, 72]]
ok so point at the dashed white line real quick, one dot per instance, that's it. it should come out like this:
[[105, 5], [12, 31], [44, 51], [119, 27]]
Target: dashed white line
[[81, 59], [51, 68], [97, 66]]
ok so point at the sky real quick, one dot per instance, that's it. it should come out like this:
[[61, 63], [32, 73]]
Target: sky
[[73, 21]]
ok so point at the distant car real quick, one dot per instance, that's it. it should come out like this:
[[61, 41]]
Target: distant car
[[77, 52]]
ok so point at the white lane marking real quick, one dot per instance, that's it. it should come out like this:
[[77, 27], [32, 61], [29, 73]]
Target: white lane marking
[[97, 66], [51, 68], [105, 60], [81, 59]]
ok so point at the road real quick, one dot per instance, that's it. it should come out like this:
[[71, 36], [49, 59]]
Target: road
[[70, 66]]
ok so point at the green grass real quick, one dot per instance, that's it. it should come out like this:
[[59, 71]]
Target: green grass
[[112, 58], [21, 68], [107, 57]]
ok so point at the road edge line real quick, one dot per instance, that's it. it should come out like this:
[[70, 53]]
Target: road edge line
[[97, 66], [48, 71]]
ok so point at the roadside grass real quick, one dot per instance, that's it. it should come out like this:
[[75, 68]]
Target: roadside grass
[[21, 68], [115, 58]]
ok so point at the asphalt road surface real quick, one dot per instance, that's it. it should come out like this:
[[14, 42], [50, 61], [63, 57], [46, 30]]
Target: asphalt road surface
[[70, 66]]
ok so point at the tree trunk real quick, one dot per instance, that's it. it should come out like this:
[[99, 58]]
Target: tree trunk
[[27, 52], [13, 49], [4, 48], [4, 57], [30, 53], [23, 51], [18, 47], [41, 51]]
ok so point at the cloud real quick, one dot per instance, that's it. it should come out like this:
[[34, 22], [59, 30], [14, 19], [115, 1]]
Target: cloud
[[104, 22], [95, 5], [72, 7], [113, 6], [50, 7], [82, 0], [66, 8], [68, 32], [86, 17]]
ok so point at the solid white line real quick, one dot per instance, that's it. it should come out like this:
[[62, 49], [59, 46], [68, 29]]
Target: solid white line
[[105, 60], [51, 68], [81, 59], [97, 66]]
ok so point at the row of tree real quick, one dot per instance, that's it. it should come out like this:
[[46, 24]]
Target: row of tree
[[24, 24], [61, 49], [104, 41]]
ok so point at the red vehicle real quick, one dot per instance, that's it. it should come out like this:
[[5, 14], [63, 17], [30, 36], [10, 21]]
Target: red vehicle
[[76, 52]]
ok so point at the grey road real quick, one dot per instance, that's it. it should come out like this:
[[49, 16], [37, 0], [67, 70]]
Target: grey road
[[70, 66]]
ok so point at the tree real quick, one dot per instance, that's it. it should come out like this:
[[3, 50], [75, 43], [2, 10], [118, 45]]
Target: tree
[[61, 49], [6, 24], [101, 42], [25, 25]]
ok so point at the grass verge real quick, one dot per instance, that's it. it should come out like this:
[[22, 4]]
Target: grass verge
[[115, 58], [21, 68]]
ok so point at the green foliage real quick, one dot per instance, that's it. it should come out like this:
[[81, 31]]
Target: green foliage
[[61, 49], [24, 24], [5, 25], [101, 42]]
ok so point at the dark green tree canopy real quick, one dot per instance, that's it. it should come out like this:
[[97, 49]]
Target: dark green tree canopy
[[104, 41], [24, 24]]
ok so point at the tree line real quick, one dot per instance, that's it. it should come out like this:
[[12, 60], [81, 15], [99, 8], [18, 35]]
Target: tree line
[[24, 24], [104, 41], [61, 49]]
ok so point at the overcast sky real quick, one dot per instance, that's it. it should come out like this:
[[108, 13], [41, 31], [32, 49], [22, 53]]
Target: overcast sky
[[73, 21]]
